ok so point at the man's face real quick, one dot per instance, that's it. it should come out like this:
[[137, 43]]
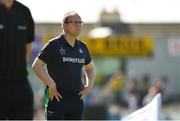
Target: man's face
[[1, 1], [73, 25], [7, 3]]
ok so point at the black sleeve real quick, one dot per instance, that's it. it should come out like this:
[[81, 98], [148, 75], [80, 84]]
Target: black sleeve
[[30, 25], [46, 53], [88, 56]]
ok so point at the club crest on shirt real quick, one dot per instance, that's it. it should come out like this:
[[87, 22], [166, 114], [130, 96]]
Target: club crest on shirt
[[62, 51], [80, 50]]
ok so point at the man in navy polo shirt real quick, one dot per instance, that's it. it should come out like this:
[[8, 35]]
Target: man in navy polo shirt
[[65, 56]]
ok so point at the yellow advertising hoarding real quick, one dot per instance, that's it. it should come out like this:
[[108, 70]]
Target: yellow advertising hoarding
[[120, 46]]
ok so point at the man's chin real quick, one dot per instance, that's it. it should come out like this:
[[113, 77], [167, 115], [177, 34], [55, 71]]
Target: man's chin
[[77, 34]]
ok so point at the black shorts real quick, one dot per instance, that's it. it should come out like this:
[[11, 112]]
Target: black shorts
[[16, 100], [71, 107]]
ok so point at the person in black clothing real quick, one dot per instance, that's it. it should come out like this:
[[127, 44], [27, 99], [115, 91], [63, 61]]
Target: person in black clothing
[[65, 56], [16, 36]]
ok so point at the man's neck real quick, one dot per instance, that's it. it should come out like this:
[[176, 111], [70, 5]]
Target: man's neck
[[71, 40]]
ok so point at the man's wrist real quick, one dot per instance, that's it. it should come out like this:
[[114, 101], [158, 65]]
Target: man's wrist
[[89, 85], [49, 82]]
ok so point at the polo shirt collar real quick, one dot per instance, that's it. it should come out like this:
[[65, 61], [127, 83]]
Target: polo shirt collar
[[65, 41]]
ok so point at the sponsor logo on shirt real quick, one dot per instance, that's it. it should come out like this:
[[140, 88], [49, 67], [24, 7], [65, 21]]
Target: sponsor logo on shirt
[[21, 27], [73, 60]]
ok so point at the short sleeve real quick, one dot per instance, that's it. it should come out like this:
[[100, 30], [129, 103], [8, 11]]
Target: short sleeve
[[88, 56], [45, 53], [30, 25]]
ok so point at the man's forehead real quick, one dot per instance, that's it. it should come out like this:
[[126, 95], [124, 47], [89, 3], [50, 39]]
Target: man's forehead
[[74, 17]]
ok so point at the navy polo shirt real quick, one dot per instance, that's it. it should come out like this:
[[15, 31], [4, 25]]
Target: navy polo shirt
[[65, 63]]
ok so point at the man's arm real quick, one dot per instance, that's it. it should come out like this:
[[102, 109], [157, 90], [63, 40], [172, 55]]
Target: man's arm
[[38, 67], [28, 51], [90, 74], [90, 77]]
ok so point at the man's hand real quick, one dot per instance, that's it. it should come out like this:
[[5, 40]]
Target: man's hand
[[85, 91], [53, 91]]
